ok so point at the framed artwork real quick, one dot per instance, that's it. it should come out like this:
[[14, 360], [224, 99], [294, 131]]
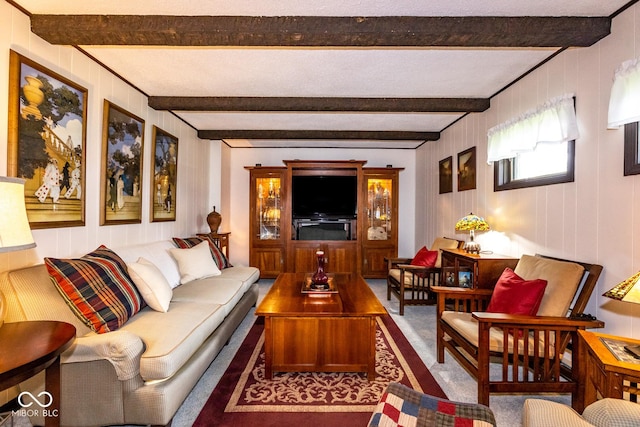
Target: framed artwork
[[164, 176], [446, 175], [46, 142], [121, 177], [467, 169]]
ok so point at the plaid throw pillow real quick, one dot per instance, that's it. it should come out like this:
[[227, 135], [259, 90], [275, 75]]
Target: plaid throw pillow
[[402, 406], [97, 288], [216, 253]]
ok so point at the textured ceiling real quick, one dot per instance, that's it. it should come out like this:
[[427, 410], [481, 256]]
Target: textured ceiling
[[321, 71]]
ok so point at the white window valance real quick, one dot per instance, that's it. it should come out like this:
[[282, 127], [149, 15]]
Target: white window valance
[[554, 121], [624, 104]]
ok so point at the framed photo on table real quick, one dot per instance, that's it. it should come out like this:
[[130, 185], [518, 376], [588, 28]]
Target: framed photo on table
[[46, 142], [121, 175], [164, 176]]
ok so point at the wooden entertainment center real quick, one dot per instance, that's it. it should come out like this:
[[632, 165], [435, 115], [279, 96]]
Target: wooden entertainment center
[[358, 241]]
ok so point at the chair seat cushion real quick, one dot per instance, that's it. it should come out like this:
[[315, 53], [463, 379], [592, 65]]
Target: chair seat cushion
[[613, 412], [409, 280], [467, 326]]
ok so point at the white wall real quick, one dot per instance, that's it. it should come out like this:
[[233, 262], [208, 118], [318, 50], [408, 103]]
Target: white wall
[[239, 188], [193, 154], [594, 219]]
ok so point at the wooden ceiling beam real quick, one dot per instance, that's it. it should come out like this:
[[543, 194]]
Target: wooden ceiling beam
[[306, 31], [317, 104], [319, 135]]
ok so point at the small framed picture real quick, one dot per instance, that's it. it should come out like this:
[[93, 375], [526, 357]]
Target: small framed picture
[[467, 169], [164, 176], [446, 175], [46, 142], [465, 279], [121, 177]]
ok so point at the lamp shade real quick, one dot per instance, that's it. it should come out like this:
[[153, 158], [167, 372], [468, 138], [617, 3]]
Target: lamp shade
[[472, 222], [628, 290], [15, 233]]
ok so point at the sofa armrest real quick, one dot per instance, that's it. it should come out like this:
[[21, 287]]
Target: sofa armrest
[[120, 348]]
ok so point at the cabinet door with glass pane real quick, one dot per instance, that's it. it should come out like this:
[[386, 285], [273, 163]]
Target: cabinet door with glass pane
[[267, 218], [380, 231]]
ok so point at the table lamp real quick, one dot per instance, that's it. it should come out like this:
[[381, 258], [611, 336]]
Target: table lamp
[[472, 223], [627, 291], [15, 234]]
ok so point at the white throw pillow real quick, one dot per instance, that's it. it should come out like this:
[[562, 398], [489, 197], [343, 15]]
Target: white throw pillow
[[151, 284], [195, 263]]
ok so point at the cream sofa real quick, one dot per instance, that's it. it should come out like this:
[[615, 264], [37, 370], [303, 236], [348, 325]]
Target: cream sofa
[[601, 413], [142, 372]]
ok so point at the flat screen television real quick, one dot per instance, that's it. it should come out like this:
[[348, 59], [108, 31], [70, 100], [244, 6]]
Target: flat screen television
[[324, 196]]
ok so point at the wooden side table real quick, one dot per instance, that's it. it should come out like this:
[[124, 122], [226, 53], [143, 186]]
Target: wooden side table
[[475, 271], [221, 239], [604, 374], [27, 348]]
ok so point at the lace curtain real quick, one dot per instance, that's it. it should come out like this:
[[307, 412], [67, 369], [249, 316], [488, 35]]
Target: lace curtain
[[555, 121], [624, 104]]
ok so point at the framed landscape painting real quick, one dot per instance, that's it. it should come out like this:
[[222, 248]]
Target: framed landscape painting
[[121, 177], [467, 169], [164, 174], [46, 142], [446, 175]]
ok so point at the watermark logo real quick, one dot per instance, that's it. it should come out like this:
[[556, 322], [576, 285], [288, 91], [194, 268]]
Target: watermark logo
[[35, 405]]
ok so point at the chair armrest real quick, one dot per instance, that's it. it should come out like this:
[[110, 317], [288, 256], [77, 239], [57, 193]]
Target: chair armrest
[[393, 262], [120, 348], [417, 268], [497, 319]]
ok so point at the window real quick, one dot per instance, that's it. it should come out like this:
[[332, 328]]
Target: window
[[631, 149], [537, 148], [548, 163]]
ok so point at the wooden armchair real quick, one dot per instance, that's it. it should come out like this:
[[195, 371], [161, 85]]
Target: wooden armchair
[[411, 284], [535, 353]]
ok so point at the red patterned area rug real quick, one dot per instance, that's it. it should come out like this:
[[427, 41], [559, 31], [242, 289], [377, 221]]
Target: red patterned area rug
[[244, 398]]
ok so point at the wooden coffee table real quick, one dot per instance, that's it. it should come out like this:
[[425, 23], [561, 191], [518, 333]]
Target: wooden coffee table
[[320, 333]]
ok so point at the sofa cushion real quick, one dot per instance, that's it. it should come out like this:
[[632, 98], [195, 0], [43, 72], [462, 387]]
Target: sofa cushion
[[195, 263], [403, 406], [171, 338], [514, 295], [546, 413], [242, 273], [467, 326], [158, 254], [612, 412], [188, 242], [151, 284], [97, 288], [225, 292], [563, 279]]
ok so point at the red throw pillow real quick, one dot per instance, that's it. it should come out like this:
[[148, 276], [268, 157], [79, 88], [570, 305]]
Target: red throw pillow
[[514, 295], [425, 258]]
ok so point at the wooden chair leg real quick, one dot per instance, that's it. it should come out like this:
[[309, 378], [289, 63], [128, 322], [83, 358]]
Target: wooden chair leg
[[483, 365]]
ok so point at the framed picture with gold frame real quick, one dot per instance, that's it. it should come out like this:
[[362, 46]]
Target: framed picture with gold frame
[[121, 175], [164, 176], [46, 142]]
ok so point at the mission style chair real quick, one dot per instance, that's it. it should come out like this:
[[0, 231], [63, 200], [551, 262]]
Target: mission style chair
[[532, 351], [411, 283]]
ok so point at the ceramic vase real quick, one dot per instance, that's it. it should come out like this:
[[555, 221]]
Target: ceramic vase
[[214, 219]]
